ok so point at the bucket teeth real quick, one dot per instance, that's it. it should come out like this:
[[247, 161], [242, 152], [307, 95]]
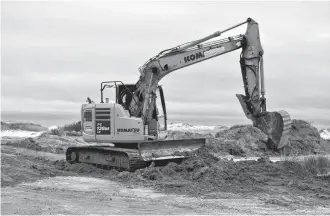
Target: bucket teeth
[[277, 126]]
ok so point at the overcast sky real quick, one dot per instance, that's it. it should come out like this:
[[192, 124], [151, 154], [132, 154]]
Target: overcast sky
[[55, 54]]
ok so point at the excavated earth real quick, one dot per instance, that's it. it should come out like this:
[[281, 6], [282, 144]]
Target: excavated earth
[[36, 179]]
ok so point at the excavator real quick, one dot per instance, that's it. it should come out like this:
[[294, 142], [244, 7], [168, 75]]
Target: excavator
[[130, 132]]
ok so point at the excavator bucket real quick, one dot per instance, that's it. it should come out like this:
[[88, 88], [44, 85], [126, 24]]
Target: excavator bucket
[[169, 149], [277, 126]]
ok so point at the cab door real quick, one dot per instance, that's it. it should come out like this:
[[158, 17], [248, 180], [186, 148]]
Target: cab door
[[87, 119], [161, 113]]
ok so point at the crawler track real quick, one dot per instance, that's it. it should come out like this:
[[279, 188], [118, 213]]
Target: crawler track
[[106, 157], [133, 156]]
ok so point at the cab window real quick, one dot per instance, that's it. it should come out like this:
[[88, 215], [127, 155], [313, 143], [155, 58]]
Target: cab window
[[87, 115]]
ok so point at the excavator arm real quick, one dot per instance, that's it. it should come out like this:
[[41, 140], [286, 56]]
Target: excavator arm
[[275, 124]]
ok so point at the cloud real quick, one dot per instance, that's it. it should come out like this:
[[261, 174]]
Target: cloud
[[324, 35], [55, 54]]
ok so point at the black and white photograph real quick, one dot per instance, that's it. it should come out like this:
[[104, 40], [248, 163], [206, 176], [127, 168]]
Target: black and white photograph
[[165, 107]]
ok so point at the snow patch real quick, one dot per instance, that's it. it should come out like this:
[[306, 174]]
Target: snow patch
[[195, 128], [20, 133], [273, 159], [53, 127], [325, 134], [321, 175]]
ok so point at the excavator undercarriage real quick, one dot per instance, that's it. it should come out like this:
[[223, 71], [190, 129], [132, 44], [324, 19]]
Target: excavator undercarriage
[[134, 158]]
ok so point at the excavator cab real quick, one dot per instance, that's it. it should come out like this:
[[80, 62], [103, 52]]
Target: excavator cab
[[158, 123], [111, 121]]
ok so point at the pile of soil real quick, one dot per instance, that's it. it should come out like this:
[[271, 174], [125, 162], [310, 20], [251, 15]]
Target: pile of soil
[[20, 166], [243, 140], [46, 143], [239, 140], [205, 172], [22, 126], [39, 144], [206, 175], [305, 139], [246, 140]]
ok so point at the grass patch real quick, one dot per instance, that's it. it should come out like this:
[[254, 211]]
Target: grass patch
[[60, 132], [316, 164], [76, 126], [57, 131]]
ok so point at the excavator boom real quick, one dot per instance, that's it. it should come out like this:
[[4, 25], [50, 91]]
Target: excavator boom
[[274, 124]]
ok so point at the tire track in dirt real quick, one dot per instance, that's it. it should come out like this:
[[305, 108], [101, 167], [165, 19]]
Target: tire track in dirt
[[85, 195]]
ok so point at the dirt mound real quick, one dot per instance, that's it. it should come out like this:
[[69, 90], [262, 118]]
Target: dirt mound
[[205, 172], [303, 129], [239, 140], [243, 140], [29, 143], [304, 139], [246, 140], [20, 166], [38, 144], [47, 143], [236, 132], [202, 176], [22, 126]]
